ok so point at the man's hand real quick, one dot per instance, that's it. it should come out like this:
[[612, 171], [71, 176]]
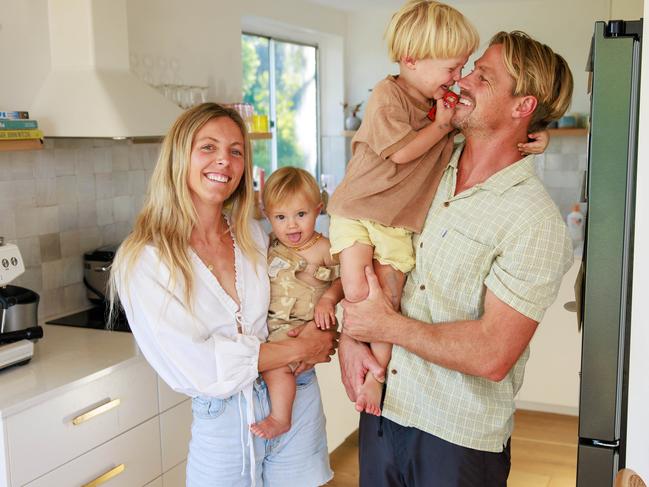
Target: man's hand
[[369, 320], [356, 360]]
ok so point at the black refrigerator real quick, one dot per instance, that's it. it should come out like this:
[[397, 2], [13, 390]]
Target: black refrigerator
[[605, 295]]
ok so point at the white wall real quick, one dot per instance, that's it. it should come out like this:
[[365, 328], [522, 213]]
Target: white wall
[[566, 26], [638, 419]]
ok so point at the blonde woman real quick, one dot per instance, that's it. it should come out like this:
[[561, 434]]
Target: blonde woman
[[192, 279]]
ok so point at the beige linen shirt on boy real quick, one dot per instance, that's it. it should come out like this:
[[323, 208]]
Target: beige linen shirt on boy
[[507, 235], [375, 188]]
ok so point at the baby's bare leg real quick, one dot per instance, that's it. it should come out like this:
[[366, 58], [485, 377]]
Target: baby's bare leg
[[281, 390], [353, 261], [392, 282]]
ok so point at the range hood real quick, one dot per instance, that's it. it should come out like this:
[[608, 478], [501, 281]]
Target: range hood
[[90, 91]]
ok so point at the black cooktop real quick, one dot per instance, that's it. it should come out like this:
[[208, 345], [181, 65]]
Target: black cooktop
[[93, 318]]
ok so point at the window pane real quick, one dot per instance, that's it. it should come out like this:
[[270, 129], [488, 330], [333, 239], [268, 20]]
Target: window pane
[[256, 89], [296, 117]]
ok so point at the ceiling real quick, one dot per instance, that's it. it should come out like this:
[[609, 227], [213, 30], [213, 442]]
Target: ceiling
[[357, 5]]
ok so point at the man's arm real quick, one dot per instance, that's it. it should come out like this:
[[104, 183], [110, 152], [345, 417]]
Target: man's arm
[[488, 347]]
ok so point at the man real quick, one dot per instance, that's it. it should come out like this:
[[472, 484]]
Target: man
[[489, 261]]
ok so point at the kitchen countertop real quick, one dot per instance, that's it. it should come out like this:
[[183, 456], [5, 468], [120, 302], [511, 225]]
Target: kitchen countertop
[[64, 358]]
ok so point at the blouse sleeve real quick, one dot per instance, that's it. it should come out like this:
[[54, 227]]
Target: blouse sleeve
[[175, 341]]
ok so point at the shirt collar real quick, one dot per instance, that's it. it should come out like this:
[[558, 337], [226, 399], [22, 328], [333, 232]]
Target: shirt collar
[[504, 179]]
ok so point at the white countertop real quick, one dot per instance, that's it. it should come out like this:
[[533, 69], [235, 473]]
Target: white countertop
[[64, 358]]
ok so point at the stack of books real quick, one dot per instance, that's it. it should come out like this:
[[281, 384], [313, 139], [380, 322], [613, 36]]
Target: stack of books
[[18, 132]]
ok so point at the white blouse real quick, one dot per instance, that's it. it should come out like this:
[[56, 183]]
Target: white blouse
[[204, 352]]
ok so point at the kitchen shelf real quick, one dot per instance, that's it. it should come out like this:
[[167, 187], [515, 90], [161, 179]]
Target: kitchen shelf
[[16, 145], [568, 131], [349, 133], [261, 135]]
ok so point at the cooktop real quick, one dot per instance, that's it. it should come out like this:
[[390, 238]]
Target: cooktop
[[94, 317]]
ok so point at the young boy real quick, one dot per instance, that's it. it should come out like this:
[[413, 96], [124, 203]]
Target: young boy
[[304, 283], [398, 156]]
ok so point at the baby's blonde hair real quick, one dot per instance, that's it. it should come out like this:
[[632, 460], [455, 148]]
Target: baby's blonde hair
[[288, 182], [538, 71], [424, 29]]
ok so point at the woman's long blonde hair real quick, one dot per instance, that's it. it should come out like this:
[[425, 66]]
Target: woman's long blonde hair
[[168, 215]]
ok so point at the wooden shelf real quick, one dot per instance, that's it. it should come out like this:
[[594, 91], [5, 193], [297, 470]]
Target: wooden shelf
[[26, 144], [349, 133], [261, 135], [568, 131]]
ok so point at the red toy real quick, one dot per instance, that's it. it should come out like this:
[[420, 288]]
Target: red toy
[[450, 99]]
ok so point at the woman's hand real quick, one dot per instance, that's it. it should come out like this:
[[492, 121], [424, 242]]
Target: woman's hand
[[325, 313], [317, 345]]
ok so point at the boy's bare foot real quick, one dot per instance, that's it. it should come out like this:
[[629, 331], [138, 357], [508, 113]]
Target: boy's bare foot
[[369, 399], [270, 427]]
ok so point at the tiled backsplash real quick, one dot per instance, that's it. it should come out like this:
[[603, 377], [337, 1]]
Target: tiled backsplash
[[80, 194], [71, 197], [562, 169]]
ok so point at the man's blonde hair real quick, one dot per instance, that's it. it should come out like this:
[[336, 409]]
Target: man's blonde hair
[[537, 71], [424, 29], [168, 215], [288, 182]]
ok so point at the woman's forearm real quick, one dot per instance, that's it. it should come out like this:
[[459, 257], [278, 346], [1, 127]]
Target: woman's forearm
[[273, 355]]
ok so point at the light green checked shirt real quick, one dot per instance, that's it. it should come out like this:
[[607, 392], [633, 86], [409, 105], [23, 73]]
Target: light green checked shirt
[[507, 235]]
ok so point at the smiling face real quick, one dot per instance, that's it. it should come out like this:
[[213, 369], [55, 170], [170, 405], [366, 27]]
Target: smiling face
[[216, 162], [431, 78], [293, 220], [486, 100]]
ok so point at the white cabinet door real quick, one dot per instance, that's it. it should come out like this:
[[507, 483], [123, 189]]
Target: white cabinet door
[[175, 432], [130, 460], [175, 477], [56, 431], [167, 397]]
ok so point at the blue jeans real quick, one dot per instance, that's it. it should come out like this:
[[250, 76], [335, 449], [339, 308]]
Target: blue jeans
[[299, 457]]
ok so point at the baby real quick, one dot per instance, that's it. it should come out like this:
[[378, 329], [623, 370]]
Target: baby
[[304, 283]]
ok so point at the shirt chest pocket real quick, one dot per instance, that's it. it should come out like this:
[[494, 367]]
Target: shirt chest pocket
[[460, 266]]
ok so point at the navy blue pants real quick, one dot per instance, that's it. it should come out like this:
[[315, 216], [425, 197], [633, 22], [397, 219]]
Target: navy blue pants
[[392, 455]]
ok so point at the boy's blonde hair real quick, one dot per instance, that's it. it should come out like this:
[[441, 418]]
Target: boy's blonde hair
[[288, 182], [424, 29], [537, 71]]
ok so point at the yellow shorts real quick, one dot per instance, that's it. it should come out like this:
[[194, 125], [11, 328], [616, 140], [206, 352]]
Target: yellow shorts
[[392, 245]]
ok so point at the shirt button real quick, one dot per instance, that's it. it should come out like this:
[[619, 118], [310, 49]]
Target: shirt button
[[393, 371], [422, 287], [421, 245], [447, 204]]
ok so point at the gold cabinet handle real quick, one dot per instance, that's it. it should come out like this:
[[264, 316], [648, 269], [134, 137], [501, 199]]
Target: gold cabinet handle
[[96, 412], [112, 473]]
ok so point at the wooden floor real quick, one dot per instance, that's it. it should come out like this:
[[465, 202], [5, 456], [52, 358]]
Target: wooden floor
[[544, 453]]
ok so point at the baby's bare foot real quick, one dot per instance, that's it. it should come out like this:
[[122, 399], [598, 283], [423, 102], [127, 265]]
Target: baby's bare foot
[[270, 427], [369, 399]]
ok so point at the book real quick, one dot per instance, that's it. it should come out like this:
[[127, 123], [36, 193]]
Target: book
[[16, 145], [18, 124], [21, 134], [17, 115]]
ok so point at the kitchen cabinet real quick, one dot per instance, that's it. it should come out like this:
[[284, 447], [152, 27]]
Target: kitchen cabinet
[[88, 406]]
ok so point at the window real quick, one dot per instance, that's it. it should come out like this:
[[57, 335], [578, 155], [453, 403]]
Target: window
[[279, 79]]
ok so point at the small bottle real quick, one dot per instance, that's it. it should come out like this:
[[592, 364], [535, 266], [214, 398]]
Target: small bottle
[[575, 221]]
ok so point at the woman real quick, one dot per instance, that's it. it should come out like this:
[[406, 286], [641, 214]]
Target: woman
[[192, 279]]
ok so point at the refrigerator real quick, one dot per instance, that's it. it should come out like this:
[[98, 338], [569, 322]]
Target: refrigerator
[[605, 294]]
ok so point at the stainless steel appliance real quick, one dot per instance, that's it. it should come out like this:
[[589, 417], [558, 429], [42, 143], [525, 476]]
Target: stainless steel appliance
[[96, 271], [18, 323], [608, 252]]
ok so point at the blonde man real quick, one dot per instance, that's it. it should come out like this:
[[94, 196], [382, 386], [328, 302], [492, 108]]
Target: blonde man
[[192, 278], [399, 153], [490, 259]]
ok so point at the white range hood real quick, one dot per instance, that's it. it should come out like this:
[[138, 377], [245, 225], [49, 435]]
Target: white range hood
[[90, 91]]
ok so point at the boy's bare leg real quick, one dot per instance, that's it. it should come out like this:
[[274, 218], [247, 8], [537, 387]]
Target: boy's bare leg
[[281, 390], [369, 398], [353, 261]]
